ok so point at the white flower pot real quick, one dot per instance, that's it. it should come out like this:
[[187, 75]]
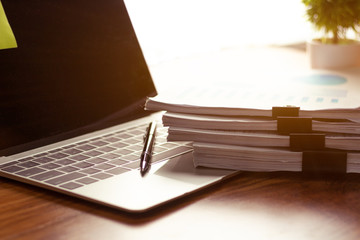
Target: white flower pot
[[333, 56]]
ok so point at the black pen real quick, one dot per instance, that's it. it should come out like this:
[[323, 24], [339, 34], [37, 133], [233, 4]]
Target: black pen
[[146, 155]]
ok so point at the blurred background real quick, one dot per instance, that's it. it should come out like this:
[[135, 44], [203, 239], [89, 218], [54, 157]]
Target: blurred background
[[169, 29]]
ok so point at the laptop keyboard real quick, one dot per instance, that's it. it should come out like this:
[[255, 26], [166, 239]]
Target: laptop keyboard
[[76, 165]]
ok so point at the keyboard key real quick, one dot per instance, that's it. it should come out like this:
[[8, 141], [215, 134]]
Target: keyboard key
[[90, 170], [123, 136], [55, 150], [133, 165], [83, 165], [86, 180], [136, 147], [68, 169], [72, 151], [79, 157], [47, 175], [44, 160], [99, 143], [139, 138], [131, 157], [132, 141], [112, 139], [104, 166], [25, 159], [65, 178], [137, 132], [117, 171], [65, 161], [85, 147], [12, 169], [117, 162], [119, 145], [110, 156], [28, 164], [123, 152], [93, 153], [71, 185], [58, 155], [8, 164], [101, 176], [106, 149], [96, 160], [30, 172], [50, 166]]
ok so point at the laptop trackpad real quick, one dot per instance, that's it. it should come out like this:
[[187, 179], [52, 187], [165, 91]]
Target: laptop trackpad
[[166, 181], [182, 168]]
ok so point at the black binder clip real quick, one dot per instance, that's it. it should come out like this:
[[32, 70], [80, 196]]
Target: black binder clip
[[307, 141], [287, 111], [287, 125], [324, 162]]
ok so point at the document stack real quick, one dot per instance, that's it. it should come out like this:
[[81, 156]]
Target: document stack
[[278, 138]]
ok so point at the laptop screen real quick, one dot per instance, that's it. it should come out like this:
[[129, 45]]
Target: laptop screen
[[77, 62]]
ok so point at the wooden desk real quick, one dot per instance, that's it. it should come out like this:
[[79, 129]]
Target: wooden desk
[[249, 206]]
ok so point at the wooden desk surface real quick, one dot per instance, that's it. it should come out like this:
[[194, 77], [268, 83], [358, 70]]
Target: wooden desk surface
[[249, 206]]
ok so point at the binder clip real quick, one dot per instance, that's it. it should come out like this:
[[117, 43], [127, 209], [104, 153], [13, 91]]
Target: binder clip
[[287, 111], [324, 162], [307, 141], [287, 125]]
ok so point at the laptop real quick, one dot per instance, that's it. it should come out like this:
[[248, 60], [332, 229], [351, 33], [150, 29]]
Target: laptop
[[72, 117]]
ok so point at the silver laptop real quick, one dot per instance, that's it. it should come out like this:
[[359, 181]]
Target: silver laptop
[[72, 117]]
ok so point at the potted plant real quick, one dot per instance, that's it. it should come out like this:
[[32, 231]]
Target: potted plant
[[333, 19]]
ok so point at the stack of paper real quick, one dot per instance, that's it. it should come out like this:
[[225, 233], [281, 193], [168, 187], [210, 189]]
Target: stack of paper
[[257, 159], [198, 107], [251, 124], [234, 127], [256, 139]]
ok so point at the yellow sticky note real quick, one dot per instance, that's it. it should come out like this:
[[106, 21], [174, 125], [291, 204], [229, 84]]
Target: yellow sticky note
[[7, 38]]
